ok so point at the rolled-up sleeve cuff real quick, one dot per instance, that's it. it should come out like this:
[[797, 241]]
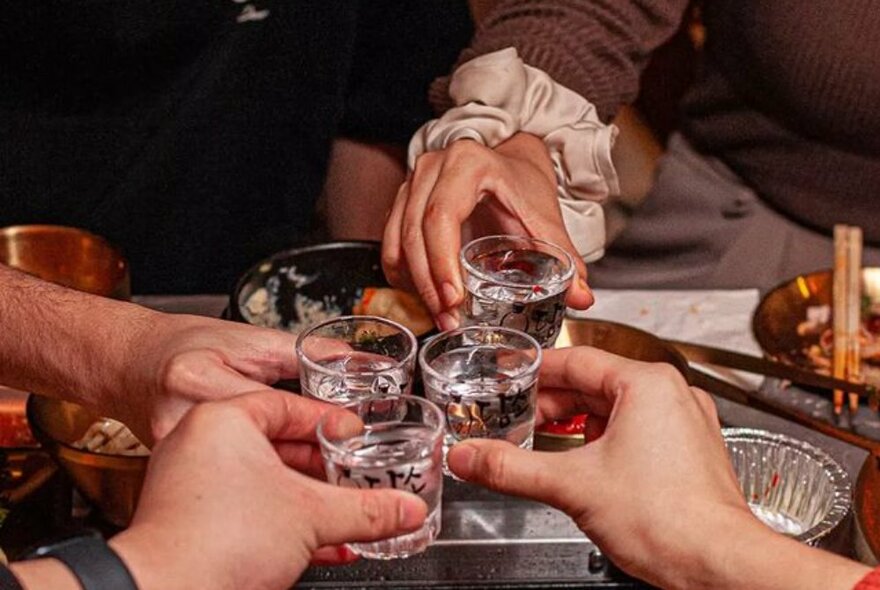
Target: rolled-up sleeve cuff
[[496, 96]]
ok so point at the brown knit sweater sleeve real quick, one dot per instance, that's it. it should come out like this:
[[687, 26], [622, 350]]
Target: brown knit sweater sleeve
[[595, 47]]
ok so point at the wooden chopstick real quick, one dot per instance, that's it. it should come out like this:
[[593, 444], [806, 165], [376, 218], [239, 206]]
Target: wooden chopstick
[[847, 291], [853, 311], [838, 308]]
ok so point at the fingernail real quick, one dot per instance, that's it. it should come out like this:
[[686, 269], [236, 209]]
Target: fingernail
[[345, 425], [460, 460], [411, 513], [450, 294], [585, 287], [446, 321]]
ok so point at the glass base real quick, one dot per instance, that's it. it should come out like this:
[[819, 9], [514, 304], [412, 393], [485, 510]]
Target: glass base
[[403, 546]]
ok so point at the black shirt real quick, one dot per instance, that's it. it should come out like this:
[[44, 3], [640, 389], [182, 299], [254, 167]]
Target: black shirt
[[195, 135]]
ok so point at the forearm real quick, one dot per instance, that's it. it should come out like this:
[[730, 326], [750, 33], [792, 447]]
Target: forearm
[[364, 178], [64, 343]]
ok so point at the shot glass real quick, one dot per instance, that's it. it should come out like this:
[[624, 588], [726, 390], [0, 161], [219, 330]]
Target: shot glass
[[400, 447], [516, 282], [485, 381], [352, 357]]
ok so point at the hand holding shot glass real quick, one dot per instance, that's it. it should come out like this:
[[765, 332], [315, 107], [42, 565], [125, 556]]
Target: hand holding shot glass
[[485, 381], [516, 282], [348, 358], [400, 447]]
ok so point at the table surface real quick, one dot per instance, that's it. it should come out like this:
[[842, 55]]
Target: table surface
[[490, 540]]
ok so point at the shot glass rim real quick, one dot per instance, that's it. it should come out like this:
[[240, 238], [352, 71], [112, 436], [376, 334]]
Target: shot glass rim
[[305, 360], [426, 368], [436, 433], [470, 268]]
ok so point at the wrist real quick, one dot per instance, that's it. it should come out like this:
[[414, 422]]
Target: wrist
[[531, 149], [158, 559], [750, 554], [44, 573], [124, 354], [143, 555]]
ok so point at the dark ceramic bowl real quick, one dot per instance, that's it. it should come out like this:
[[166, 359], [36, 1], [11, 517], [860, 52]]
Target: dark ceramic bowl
[[331, 275]]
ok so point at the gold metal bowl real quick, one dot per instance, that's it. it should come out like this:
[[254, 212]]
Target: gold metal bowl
[[112, 483], [779, 312], [68, 256]]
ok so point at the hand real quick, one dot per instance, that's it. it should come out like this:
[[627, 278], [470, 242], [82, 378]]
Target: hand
[[656, 491], [180, 360], [225, 506], [508, 190]]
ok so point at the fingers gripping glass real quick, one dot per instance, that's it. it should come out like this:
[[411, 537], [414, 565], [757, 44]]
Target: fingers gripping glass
[[399, 447], [485, 379], [516, 282]]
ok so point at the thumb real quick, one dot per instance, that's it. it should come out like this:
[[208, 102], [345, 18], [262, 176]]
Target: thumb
[[353, 515], [505, 468]]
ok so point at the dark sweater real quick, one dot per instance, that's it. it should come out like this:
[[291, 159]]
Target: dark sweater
[[789, 97], [195, 142]]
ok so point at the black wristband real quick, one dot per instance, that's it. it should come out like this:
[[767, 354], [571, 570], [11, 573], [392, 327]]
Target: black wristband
[[92, 561], [8, 581]]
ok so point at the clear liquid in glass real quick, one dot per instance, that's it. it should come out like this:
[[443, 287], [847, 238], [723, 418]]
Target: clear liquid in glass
[[393, 455], [536, 307], [482, 398], [353, 376]]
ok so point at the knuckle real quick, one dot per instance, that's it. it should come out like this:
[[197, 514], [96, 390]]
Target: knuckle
[[428, 295], [180, 373], [390, 259], [668, 374], [667, 371], [411, 237], [436, 213], [372, 510], [705, 400], [464, 148], [471, 155], [495, 467], [573, 364], [424, 163]]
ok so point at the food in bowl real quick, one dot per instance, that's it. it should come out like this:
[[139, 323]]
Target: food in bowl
[[818, 334], [296, 289], [111, 482], [395, 305], [260, 309], [111, 437]]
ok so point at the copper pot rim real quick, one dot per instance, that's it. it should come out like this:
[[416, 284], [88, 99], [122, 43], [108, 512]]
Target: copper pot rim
[[69, 451]]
